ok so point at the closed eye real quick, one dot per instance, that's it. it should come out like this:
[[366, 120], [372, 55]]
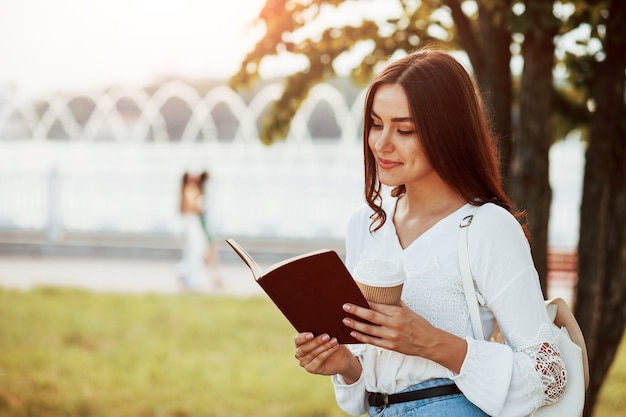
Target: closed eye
[[375, 124]]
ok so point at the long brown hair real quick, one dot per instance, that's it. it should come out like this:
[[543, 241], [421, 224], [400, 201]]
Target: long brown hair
[[199, 181], [451, 126]]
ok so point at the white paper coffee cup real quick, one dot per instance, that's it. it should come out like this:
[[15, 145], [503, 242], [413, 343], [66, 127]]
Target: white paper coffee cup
[[380, 279]]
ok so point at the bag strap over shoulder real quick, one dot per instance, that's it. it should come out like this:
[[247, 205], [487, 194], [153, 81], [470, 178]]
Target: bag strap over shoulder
[[558, 310], [468, 282]]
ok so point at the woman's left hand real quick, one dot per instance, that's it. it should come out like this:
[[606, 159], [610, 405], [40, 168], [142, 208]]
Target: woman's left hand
[[401, 329], [392, 327]]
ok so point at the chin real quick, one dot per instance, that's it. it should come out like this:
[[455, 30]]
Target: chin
[[389, 183]]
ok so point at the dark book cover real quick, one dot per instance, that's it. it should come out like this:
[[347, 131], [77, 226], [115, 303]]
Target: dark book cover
[[310, 291]]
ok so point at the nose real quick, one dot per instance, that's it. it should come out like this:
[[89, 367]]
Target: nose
[[382, 142]]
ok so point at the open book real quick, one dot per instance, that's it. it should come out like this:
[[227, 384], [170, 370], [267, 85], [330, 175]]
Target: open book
[[309, 290]]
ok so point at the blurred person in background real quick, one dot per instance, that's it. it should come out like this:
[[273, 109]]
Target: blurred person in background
[[198, 250]]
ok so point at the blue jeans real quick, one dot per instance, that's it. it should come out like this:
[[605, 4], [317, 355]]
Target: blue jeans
[[455, 405]]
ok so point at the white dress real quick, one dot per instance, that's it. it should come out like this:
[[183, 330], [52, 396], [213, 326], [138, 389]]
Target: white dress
[[502, 379], [191, 266]]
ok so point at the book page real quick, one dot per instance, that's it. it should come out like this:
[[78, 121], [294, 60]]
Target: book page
[[294, 259], [254, 267]]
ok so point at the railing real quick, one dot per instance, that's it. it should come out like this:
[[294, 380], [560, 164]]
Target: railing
[[175, 112], [110, 164], [563, 267]]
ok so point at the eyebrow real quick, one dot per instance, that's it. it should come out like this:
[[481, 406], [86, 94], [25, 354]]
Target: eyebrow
[[396, 119]]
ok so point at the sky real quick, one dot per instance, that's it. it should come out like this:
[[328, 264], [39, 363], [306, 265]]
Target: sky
[[51, 45], [48, 46]]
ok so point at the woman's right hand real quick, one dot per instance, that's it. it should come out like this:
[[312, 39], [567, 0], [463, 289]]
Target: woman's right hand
[[323, 355]]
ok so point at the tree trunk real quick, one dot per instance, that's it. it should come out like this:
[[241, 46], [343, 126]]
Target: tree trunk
[[494, 78], [530, 187], [601, 309], [488, 46]]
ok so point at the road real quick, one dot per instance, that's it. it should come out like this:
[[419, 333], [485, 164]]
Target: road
[[142, 275], [130, 275]]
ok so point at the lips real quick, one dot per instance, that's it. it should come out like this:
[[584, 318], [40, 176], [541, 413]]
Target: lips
[[387, 164]]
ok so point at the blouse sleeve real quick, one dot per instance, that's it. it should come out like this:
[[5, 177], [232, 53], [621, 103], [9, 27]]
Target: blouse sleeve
[[527, 371], [352, 398]]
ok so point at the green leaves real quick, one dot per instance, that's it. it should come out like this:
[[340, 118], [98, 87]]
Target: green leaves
[[297, 28]]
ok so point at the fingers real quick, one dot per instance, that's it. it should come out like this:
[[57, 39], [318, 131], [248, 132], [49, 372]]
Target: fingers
[[377, 326], [369, 318], [389, 310], [308, 346], [364, 332], [369, 314], [302, 338], [312, 352]]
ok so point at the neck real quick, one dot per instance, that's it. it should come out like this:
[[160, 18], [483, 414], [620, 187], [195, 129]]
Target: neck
[[419, 209], [433, 199]]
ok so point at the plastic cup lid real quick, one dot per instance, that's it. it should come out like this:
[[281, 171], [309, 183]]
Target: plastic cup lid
[[381, 272]]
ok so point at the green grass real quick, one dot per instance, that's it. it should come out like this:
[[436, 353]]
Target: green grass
[[76, 353], [612, 401]]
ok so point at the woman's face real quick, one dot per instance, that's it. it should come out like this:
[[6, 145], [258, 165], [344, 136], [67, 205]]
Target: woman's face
[[392, 139]]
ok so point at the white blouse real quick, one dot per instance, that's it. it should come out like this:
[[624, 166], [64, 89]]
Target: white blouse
[[508, 379]]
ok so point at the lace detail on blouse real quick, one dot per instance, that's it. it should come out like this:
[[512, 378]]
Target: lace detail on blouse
[[547, 382], [437, 296]]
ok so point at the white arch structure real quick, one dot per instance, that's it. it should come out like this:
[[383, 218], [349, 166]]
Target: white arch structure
[[115, 173], [105, 113], [119, 172]]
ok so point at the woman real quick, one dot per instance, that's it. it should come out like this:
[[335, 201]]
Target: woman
[[426, 137], [198, 251]]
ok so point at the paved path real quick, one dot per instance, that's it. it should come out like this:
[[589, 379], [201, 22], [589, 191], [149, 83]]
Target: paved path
[[118, 275], [132, 275]]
